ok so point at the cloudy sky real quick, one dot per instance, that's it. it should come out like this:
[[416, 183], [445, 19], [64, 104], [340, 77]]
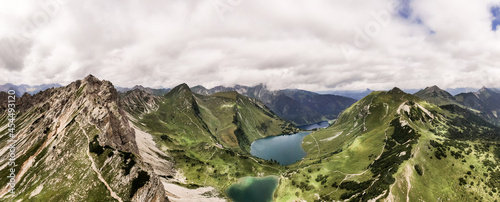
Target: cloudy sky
[[307, 44]]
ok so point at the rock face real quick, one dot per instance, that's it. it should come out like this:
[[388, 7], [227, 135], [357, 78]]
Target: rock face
[[139, 101], [101, 107], [97, 103], [75, 143]]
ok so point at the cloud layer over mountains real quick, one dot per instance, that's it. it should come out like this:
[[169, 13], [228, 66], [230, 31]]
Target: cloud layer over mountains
[[313, 45]]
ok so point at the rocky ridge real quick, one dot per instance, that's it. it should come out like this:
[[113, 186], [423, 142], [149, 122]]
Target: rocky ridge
[[64, 132]]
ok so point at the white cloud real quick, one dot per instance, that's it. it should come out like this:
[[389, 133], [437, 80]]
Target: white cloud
[[286, 44]]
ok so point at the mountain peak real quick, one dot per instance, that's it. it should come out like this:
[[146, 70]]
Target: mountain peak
[[436, 95], [433, 88], [90, 77], [396, 90], [140, 87], [91, 80], [484, 89], [261, 86], [486, 92], [181, 88], [200, 86]]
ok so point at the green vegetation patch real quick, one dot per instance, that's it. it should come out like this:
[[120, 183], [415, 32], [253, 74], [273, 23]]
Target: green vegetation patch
[[128, 161], [95, 147], [138, 182], [353, 188]]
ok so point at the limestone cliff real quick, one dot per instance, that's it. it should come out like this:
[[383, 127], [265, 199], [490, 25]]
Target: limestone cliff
[[75, 143]]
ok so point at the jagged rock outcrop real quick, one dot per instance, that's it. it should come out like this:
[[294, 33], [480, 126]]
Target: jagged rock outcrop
[[75, 143], [101, 107]]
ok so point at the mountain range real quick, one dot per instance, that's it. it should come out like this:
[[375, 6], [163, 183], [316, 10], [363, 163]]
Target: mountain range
[[485, 102], [153, 91], [89, 142], [24, 88], [298, 106], [354, 94], [359, 94]]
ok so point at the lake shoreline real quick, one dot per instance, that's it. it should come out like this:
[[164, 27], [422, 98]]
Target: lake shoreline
[[282, 149], [249, 188]]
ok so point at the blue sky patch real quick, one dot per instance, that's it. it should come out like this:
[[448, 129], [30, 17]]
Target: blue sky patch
[[495, 11], [404, 9]]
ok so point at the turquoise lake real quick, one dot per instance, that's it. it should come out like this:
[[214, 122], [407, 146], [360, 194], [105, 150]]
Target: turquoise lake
[[252, 189], [286, 149]]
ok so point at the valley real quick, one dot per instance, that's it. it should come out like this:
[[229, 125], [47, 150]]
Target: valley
[[398, 147]]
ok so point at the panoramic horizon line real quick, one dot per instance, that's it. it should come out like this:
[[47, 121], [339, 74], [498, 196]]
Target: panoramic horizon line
[[255, 85], [472, 89]]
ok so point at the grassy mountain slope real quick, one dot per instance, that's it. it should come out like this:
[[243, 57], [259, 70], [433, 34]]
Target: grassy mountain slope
[[209, 137], [394, 146], [226, 118], [436, 96]]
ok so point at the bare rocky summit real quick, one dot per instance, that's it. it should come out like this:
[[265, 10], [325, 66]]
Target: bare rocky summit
[[75, 143]]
